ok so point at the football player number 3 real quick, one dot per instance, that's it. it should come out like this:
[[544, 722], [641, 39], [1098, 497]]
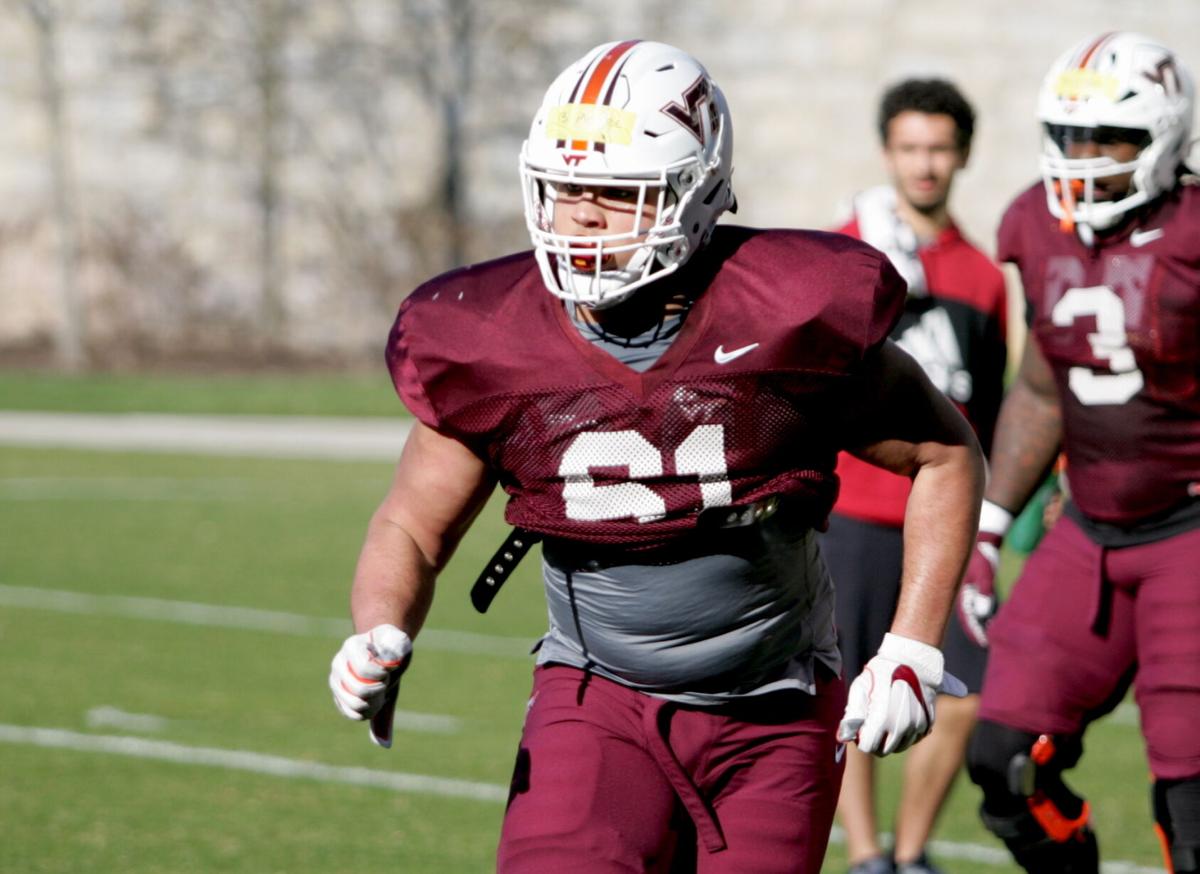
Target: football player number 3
[[701, 454], [1109, 344]]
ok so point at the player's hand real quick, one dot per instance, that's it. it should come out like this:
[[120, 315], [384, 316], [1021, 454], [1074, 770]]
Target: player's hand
[[365, 677], [977, 602], [891, 703]]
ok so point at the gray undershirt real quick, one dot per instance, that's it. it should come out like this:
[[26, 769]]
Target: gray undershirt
[[637, 353], [749, 621]]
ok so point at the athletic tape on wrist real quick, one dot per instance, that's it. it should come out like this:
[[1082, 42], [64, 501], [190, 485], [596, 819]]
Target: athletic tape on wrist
[[994, 519]]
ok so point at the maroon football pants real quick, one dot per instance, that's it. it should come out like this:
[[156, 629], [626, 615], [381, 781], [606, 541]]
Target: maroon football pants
[[612, 780], [1081, 620]]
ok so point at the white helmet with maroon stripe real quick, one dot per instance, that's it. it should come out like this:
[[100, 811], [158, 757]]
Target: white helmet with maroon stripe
[[1115, 87], [639, 116]]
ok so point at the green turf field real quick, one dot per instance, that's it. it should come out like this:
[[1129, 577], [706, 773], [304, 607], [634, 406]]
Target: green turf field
[[166, 624], [365, 394]]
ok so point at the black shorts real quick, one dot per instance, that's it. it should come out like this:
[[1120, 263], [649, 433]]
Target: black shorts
[[864, 560]]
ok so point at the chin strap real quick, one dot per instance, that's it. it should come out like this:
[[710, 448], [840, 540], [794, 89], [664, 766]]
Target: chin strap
[[1067, 199]]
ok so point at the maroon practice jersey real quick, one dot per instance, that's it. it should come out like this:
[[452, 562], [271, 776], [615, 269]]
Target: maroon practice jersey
[[1119, 324], [747, 403]]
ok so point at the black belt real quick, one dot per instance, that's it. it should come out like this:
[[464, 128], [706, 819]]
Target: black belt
[[590, 556], [502, 564]]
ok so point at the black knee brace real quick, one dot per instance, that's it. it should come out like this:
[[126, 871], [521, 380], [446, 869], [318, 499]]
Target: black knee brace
[[1177, 814], [1026, 803]]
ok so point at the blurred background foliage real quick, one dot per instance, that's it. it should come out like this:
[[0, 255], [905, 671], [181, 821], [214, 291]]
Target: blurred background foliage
[[241, 183]]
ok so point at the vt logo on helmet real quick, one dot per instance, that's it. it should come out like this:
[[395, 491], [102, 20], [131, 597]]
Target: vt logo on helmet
[[1117, 116], [639, 129]]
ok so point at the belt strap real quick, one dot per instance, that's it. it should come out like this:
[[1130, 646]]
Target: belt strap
[[502, 564], [655, 717]]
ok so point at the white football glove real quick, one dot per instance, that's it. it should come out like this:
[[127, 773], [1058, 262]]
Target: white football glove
[[365, 677], [890, 704], [977, 602]]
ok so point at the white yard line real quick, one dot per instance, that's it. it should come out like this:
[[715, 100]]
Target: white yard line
[[368, 439], [125, 488], [242, 760], [428, 723], [149, 723], [396, 781], [997, 855], [273, 436], [114, 717], [247, 618], [1126, 714]]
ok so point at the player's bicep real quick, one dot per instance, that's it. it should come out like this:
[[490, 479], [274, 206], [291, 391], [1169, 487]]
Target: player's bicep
[[902, 421], [438, 489]]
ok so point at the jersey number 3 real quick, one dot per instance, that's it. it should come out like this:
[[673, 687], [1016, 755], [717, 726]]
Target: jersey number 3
[[701, 454], [1109, 344]]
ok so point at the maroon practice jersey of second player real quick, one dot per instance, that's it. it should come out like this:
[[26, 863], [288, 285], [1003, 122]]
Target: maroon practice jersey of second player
[[1119, 324], [750, 401]]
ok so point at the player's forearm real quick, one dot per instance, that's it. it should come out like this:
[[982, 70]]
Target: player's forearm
[[1028, 435], [438, 489], [939, 533], [394, 582]]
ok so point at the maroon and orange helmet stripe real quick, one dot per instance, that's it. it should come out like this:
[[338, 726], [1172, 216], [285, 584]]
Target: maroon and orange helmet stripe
[[1074, 88], [1090, 51], [590, 85]]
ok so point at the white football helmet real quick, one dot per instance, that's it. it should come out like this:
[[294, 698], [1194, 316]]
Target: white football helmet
[[1122, 86], [641, 116]]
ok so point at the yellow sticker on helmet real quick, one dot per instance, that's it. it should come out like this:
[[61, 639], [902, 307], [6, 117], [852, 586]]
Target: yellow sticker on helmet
[[1085, 84], [595, 124]]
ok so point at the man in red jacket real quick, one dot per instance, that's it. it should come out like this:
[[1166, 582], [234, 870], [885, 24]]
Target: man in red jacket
[[953, 324]]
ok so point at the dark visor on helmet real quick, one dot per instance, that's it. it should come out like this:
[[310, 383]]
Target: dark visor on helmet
[[1065, 135]]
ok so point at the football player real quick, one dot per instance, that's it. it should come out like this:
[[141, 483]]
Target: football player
[[1108, 248], [954, 325], [667, 420]]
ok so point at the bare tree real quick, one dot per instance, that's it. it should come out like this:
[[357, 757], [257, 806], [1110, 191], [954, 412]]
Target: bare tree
[[404, 75], [225, 61], [444, 71], [348, 148], [479, 69], [443, 45], [72, 329], [270, 32]]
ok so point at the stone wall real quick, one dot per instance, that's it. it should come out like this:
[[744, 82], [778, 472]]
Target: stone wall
[[162, 149]]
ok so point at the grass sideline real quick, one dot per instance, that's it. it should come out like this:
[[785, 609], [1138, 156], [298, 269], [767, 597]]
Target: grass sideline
[[273, 393], [281, 536]]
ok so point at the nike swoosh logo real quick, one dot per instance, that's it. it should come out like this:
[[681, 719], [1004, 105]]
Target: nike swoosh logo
[[722, 357], [1141, 238]]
